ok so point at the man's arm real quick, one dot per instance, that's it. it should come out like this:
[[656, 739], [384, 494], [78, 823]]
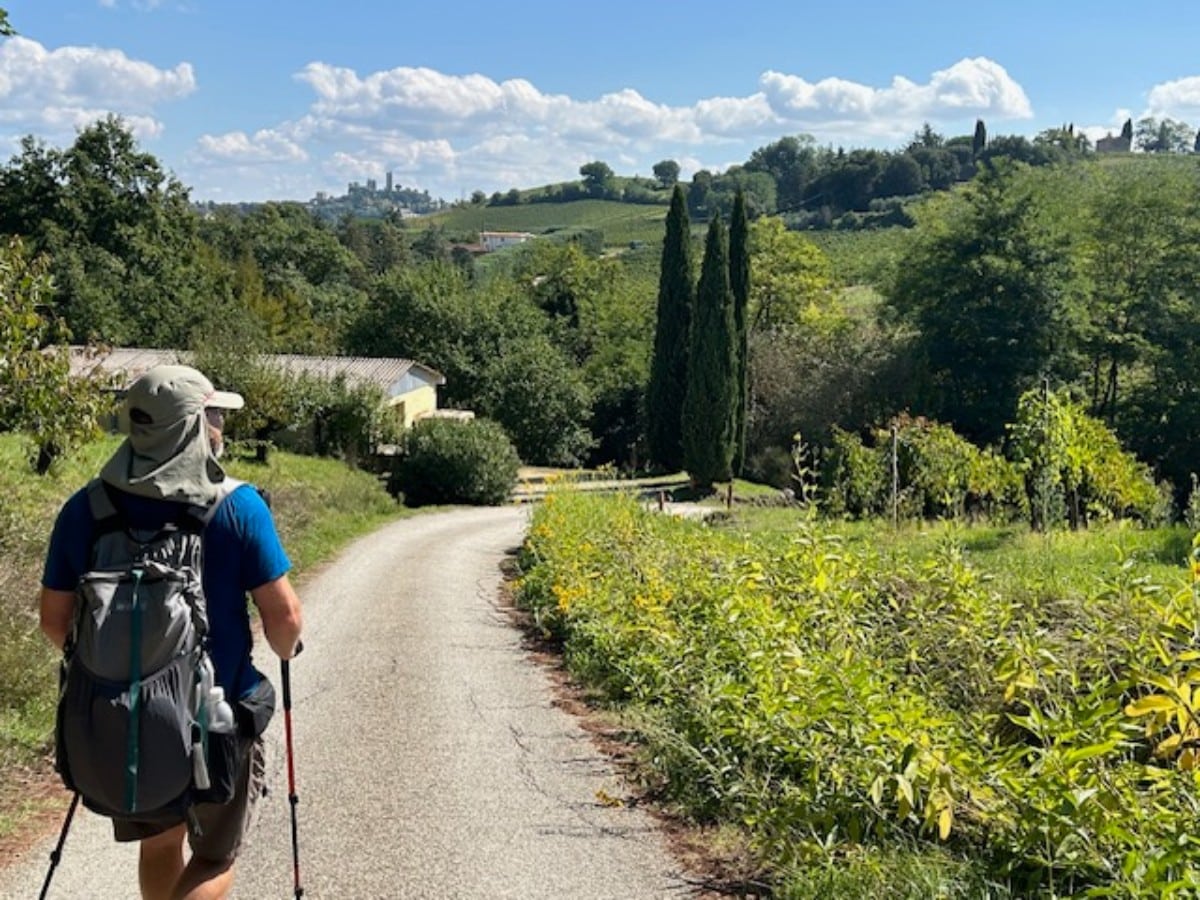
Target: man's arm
[[56, 611], [279, 608]]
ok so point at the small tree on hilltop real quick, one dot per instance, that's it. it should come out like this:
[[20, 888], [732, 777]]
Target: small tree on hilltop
[[708, 406], [667, 172], [597, 178]]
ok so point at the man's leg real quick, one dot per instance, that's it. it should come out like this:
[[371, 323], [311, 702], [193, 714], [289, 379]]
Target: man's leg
[[209, 873], [204, 879], [160, 863]]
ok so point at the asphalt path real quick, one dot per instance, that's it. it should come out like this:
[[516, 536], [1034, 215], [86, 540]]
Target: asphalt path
[[431, 759]]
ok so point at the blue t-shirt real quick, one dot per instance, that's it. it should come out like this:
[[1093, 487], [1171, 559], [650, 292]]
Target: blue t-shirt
[[242, 551]]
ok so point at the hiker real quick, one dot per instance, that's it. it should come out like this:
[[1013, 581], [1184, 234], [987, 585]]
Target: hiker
[[173, 419]]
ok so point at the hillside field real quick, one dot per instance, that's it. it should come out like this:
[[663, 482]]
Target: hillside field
[[622, 223]]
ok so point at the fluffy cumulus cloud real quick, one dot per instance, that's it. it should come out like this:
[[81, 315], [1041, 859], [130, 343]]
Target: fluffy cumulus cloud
[[53, 92], [265, 146], [970, 88], [1178, 99], [458, 132]]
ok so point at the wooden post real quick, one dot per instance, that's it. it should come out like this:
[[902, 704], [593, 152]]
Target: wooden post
[[895, 475], [729, 496]]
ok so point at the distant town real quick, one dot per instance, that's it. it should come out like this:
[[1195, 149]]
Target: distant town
[[372, 202], [367, 201]]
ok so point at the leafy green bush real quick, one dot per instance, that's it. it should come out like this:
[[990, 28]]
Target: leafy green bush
[[452, 461], [1073, 464], [856, 477], [939, 473]]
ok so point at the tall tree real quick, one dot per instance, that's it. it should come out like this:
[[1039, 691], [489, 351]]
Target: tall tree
[[121, 235], [986, 283], [979, 141], [739, 284], [708, 405], [669, 363], [789, 276]]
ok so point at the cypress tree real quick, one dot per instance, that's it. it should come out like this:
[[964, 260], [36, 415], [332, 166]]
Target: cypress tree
[[979, 141], [739, 284], [708, 406], [669, 364]]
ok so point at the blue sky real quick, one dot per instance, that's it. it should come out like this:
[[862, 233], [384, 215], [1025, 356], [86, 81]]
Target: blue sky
[[259, 100]]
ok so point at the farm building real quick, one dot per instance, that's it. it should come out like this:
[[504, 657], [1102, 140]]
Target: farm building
[[497, 240], [410, 387]]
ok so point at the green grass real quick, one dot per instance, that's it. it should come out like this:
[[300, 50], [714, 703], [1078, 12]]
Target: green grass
[[320, 505], [620, 222], [1062, 562], [872, 874]]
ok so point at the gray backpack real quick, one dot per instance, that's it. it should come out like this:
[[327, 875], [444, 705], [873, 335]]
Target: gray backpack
[[133, 734]]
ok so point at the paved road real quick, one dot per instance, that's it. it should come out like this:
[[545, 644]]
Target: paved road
[[431, 762]]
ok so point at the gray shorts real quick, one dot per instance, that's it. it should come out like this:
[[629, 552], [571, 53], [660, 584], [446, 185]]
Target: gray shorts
[[215, 831]]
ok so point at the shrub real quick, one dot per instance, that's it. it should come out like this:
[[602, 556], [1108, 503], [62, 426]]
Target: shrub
[[1068, 456], [940, 475], [450, 461]]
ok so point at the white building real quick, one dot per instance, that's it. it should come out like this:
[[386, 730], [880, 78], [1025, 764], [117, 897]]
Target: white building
[[494, 240]]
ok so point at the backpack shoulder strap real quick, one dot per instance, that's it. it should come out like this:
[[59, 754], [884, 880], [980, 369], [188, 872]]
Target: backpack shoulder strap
[[106, 515]]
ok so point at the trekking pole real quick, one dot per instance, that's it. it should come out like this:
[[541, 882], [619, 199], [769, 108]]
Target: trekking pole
[[56, 853], [293, 798]]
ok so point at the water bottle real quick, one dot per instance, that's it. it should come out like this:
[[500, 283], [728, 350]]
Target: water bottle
[[203, 707], [204, 686], [220, 713]]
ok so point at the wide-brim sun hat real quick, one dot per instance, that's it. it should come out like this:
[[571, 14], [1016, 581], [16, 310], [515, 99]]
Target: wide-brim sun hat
[[167, 454]]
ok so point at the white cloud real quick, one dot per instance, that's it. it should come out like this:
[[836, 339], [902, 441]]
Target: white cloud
[[52, 92], [439, 130], [455, 133], [422, 103], [265, 146], [1177, 99], [970, 88]]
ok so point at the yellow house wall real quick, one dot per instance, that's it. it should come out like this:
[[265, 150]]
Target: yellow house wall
[[413, 405]]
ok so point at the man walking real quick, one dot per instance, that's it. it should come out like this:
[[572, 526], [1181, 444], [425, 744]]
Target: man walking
[[174, 419]]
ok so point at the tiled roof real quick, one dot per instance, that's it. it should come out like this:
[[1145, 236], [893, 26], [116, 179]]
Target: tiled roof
[[131, 362]]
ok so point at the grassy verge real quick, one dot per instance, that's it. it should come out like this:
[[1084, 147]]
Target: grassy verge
[[320, 505], [924, 712]]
